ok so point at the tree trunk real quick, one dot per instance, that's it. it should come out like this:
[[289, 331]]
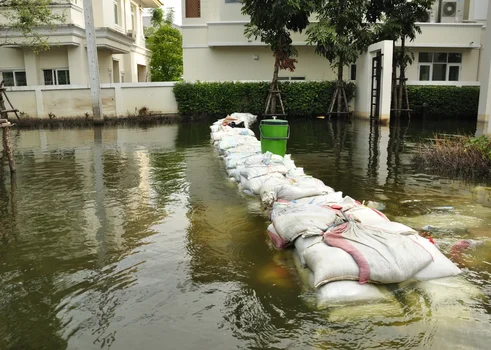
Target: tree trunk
[[402, 74], [274, 87], [340, 84]]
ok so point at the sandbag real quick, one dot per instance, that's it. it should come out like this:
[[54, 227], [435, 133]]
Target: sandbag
[[254, 184], [232, 141], [256, 171], [367, 216], [291, 221], [236, 159], [252, 147], [264, 159], [218, 135], [382, 256], [440, 267], [330, 264], [302, 243], [290, 192]]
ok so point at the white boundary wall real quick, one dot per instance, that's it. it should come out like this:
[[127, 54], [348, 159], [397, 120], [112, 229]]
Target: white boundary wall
[[119, 100]]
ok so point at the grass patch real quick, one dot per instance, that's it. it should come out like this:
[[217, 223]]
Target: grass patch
[[87, 122], [459, 157]]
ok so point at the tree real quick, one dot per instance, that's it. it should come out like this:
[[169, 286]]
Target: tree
[[272, 21], [165, 42], [340, 34], [397, 21], [25, 17]]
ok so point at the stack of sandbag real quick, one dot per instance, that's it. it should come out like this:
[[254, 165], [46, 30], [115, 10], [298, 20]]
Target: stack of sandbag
[[347, 251]]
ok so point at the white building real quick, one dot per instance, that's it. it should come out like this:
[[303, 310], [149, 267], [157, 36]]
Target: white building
[[448, 51], [119, 38]]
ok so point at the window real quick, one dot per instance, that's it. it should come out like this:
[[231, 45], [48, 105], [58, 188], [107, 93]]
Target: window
[[133, 18], [14, 78], [116, 11], [193, 8], [353, 72], [439, 66], [291, 78], [56, 77]]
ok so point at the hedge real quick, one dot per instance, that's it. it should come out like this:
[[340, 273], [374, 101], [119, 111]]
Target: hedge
[[313, 98], [444, 101], [299, 98]]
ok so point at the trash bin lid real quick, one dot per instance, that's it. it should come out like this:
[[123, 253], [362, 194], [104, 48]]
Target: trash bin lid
[[274, 122]]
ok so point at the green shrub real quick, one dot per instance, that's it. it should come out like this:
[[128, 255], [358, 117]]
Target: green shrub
[[444, 101], [299, 98]]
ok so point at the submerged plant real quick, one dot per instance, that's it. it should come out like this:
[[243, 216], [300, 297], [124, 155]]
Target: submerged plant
[[462, 157]]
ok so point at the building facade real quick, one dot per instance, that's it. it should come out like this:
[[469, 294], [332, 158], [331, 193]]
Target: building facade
[[448, 52], [119, 38]]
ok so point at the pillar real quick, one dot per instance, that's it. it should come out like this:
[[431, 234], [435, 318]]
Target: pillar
[[485, 77]]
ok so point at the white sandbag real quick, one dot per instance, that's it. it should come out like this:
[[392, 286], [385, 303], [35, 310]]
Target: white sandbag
[[271, 183], [301, 244], [291, 221], [330, 264], [235, 159], [289, 163], [256, 171], [247, 118], [218, 135], [382, 256], [231, 141], [367, 216], [290, 192], [440, 267], [252, 147], [264, 159], [255, 183], [348, 292], [325, 199]]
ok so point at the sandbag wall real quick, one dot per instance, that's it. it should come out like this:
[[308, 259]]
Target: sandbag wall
[[345, 251]]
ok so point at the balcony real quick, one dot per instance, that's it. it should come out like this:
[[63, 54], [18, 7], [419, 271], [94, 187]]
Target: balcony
[[152, 3]]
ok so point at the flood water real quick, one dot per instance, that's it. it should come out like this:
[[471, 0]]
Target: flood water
[[130, 238]]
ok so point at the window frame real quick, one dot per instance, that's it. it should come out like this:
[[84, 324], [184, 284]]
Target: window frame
[[55, 76], [116, 12], [14, 72], [447, 68]]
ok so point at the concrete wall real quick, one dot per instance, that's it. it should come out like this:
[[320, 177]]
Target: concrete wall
[[74, 101], [250, 63]]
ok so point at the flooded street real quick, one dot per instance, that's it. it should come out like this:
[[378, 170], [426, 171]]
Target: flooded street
[[129, 238]]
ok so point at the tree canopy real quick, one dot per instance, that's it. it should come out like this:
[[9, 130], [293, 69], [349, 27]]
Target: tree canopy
[[25, 17], [272, 21], [165, 42]]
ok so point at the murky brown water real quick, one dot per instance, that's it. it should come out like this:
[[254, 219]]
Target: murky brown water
[[134, 238]]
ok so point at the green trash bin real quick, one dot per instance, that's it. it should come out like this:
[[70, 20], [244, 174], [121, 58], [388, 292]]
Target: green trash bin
[[274, 135]]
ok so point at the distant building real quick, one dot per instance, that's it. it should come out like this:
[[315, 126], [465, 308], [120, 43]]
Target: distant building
[[447, 52], [119, 37]]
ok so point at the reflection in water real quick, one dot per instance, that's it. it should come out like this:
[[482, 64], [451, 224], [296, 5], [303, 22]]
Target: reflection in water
[[125, 238]]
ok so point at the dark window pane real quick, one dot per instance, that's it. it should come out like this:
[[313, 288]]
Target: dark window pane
[[63, 77], [353, 72], [440, 57], [425, 57], [455, 58], [453, 73], [424, 73], [439, 72], [193, 8], [48, 77], [8, 78], [20, 78], [297, 78], [283, 78]]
